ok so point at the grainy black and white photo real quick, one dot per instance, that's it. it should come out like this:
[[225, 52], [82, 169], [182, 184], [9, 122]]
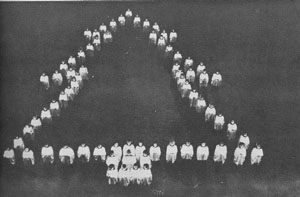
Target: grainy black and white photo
[[150, 98]]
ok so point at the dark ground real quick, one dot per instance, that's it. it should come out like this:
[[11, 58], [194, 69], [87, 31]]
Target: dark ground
[[255, 45]]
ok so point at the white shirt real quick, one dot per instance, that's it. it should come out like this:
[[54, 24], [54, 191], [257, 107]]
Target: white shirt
[[36, 122], [231, 127], [203, 77], [190, 74], [240, 152], [96, 33], [216, 77], [68, 151], [169, 48], [99, 151], [44, 79], [69, 92], [47, 151], [70, 73], [62, 97], [107, 35], [186, 86], [112, 160], [54, 105], [83, 71], [193, 95], [83, 151], [156, 27], [201, 103], [74, 84], [103, 28], [187, 150], [175, 67], [171, 149], [81, 54], [63, 66], [117, 151], [165, 36], [245, 140], [28, 155], [112, 173], [161, 41], [71, 60], [57, 77], [146, 24], [153, 36], [121, 20], [256, 153], [220, 151], [173, 35], [113, 24], [219, 120], [127, 147], [177, 56], [200, 68], [145, 160], [89, 47], [139, 150], [136, 20], [189, 62], [78, 78], [9, 154], [210, 111], [128, 13], [45, 114], [18, 142], [202, 152], [28, 129], [154, 150], [87, 33]]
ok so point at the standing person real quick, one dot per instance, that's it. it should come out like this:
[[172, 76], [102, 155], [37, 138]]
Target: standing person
[[54, 108], [137, 22], [113, 25], [46, 116], [128, 159], [75, 86], [200, 68], [47, 154], [63, 100], [87, 35], [96, 33], [200, 105], [231, 130], [36, 123], [155, 152], [128, 14], [202, 152], [139, 149], [70, 93], [81, 56], [107, 37], [72, 62], [156, 28], [220, 154], [240, 155], [164, 34], [124, 174], [173, 36], [187, 151], [216, 79], [185, 89], [177, 57], [19, 144], [145, 159], [244, 138], [102, 28], [128, 146], [219, 122], [117, 150], [99, 153], [188, 63], [83, 71], [256, 155], [146, 175], [28, 157], [90, 50], [153, 38], [190, 75], [193, 98], [70, 74], [122, 20], [171, 153], [135, 175], [63, 67], [175, 69], [146, 26], [161, 43], [44, 79], [79, 79], [112, 159], [84, 153], [203, 79], [97, 43], [169, 51], [210, 113], [9, 155], [57, 78], [112, 174], [66, 155], [28, 132]]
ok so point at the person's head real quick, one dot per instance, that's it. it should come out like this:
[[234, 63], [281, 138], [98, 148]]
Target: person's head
[[232, 122], [45, 108], [69, 87], [140, 144], [194, 90], [44, 74], [217, 72], [70, 69], [128, 142], [173, 30], [63, 62], [172, 143], [113, 20], [111, 153], [245, 134], [155, 144], [222, 143], [220, 114], [95, 30], [135, 166], [241, 145], [116, 144], [56, 71], [62, 92], [204, 71], [211, 105], [188, 143], [190, 69], [203, 144], [111, 167], [26, 149], [73, 79], [137, 16], [66, 146], [258, 146], [100, 146], [17, 137], [83, 144], [145, 153], [201, 63]]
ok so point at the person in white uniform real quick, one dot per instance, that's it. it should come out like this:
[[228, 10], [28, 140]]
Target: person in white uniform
[[113, 25], [188, 63], [80, 56], [256, 155], [173, 36], [46, 116], [36, 123], [146, 175], [107, 37], [128, 146], [135, 175], [79, 79], [19, 144], [44, 79], [121, 20], [63, 67], [99, 153], [128, 13], [97, 43], [28, 132], [84, 153], [186, 88], [169, 51], [193, 98], [139, 149], [57, 78], [175, 69], [244, 138], [75, 86], [200, 68], [90, 50], [156, 28], [66, 155], [83, 71], [203, 79], [220, 154], [200, 104], [54, 108], [177, 57], [145, 159], [153, 38], [112, 159], [63, 100], [219, 122], [112, 175], [146, 26], [202, 152], [28, 157], [155, 152], [87, 35], [47, 154], [137, 22], [164, 34], [216, 79], [171, 153], [240, 155], [117, 150], [210, 113], [70, 93], [231, 130], [124, 176], [102, 28], [96, 33], [9, 155], [187, 151], [161, 43], [70, 74], [190, 75], [72, 62], [129, 159]]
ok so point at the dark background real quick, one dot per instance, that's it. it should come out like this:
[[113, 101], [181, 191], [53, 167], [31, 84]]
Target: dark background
[[255, 46]]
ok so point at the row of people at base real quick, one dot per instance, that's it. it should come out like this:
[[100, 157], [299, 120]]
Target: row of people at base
[[131, 154]]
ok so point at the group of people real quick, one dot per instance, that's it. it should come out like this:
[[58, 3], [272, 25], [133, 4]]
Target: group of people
[[132, 165]]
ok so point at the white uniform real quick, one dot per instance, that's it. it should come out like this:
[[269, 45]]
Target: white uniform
[[187, 152], [63, 100], [112, 160], [28, 156], [219, 122], [63, 67], [28, 130], [18, 143], [256, 155], [84, 151], [135, 175], [169, 50], [165, 36], [47, 153], [122, 20], [173, 37], [171, 153], [70, 93], [146, 26], [117, 151], [220, 154], [124, 176], [216, 80], [96, 34], [161, 43], [200, 69], [87, 34], [83, 71], [113, 26], [79, 79], [100, 152], [97, 44], [72, 62], [210, 114], [177, 57], [127, 147], [81, 57], [54, 108], [44, 79], [190, 76], [46, 116], [102, 28], [75, 86], [239, 156], [57, 79], [245, 140], [66, 155], [36, 123], [146, 176], [180, 82], [9, 154], [137, 22], [139, 151], [155, 153], [90, 50], [112, 176], [70, 74], [145, 160], [203, 79], [128, 13], [175, 69], [202, 153], [188, 63], [193, 98], [152, 38], [129, 161], [200, 105], [231, 130], [185, 90], [178, 75], [156, 28], [107, 37]]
